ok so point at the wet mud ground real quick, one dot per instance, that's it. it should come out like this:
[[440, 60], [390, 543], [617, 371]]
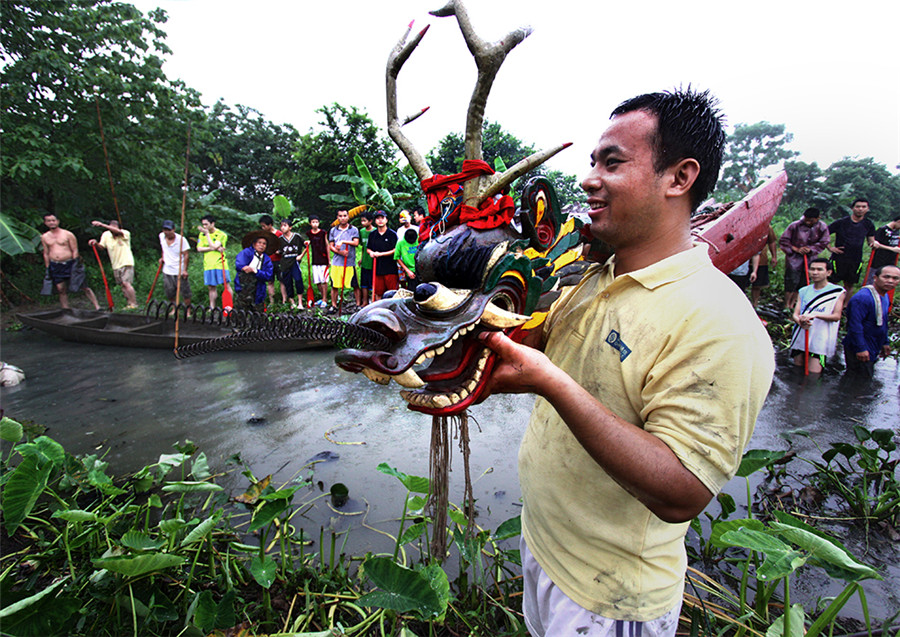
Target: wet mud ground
[[279, 411]]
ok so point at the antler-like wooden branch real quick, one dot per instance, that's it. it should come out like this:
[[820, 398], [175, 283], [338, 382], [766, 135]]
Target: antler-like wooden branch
[[488, 59], [396, 59]]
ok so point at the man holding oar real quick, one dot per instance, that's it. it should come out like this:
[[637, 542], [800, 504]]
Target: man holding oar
[[817, 314], [65, 272], [650, 375], [174, 248], [117, 242]]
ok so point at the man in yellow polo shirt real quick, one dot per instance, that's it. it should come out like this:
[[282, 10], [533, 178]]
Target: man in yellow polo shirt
[[650, 375], [117, 241]]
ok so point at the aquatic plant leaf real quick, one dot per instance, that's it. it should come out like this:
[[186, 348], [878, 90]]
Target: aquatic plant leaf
[[201, 530], [251, 495], [780, 558], [459, 517], [104, 483], [266, 513], [25, 484], [862, 434], [200, 467], [826, 552], [831, 611], [133, 566], [75, 515], [282, 494], [171, 526], [401, 589], [12, 609], [798, 617], [412, 533], [756, 459], [46, 449], [511, 528], [437, 579], [415, 484], [884, 438], [263, 570], [191, 487], [720, 527], [140, 541], [416, 504], [210, 615], [10, 430]]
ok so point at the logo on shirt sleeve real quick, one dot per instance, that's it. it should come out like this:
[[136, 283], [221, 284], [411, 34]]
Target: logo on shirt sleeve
[[616, 342]]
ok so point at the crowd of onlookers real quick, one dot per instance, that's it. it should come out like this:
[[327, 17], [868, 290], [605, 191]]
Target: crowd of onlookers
[[818, 291]]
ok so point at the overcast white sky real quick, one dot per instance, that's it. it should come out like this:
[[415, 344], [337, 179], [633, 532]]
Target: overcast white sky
[[829, 71]]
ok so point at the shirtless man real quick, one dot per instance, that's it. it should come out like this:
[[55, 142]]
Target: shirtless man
[[60, 257]]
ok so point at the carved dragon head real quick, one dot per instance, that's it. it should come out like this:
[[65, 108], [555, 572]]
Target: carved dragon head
[[482, 264]]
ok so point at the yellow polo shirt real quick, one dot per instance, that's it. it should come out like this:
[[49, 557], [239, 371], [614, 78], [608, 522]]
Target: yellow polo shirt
[[213, 260], [119, 248], [674, 348]]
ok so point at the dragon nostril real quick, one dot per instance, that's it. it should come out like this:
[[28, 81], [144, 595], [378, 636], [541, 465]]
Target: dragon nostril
[[424, 291]]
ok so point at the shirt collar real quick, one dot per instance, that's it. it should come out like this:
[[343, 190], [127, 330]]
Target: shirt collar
[[670, 269]]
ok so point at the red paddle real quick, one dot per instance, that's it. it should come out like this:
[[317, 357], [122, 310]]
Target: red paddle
[[310, 297], [152, 287], [227, 302], [806, 331], [103, 274]]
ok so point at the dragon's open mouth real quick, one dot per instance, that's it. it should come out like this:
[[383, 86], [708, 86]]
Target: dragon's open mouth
[[443, 368]]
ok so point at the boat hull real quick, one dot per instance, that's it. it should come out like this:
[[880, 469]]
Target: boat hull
[[137, 330]]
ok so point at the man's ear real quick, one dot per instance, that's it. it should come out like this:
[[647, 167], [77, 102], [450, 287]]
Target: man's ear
[[682, 176]]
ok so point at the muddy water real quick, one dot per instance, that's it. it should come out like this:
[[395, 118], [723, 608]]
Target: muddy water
[[278, 411]]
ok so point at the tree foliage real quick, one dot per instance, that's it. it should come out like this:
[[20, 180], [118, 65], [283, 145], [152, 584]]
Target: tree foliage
[[62, 60], [447, 157], [319, 156], [750, 149], [849, 178], [238, 154]]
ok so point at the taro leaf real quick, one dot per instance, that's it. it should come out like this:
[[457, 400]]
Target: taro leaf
[[756, 459], [844, 448], [191, 487], [416, 504], [263, 570], [511, 528], [104, 483], [459, 517], [727, 504], [140, 541], [718, 528], [412, 533], [826, 553], [133, 566], [402, 589], [884, 438], [10, 430], [266, 513], [75, 515], [437, 579], [46, 449], [251, 495], [200, 467], [862, 434], [514, 556], [12, 609], [22, 489], [210, 615], [281, 494], [201, 530], [172, 460], [39, 614], [781, 560], [470, 547], [171, 526], [797, 619], [415, 484]]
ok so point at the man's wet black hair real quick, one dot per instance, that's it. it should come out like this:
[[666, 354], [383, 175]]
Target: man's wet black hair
[[209, 218], [267, 219], [688, 126], [859, 199], [827, 262], [812, 213], [878, 271]]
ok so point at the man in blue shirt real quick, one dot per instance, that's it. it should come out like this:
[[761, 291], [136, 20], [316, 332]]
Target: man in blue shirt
[[867, 322]]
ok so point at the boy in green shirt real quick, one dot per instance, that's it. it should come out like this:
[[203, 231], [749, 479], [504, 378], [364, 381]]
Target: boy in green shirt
[[405, 255], [365, 263]]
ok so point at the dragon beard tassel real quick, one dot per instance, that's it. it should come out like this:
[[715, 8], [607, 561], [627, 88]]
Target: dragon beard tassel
[[439, 474]]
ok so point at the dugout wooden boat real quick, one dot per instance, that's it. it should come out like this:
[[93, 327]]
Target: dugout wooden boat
[[735, 232], [139, 330]]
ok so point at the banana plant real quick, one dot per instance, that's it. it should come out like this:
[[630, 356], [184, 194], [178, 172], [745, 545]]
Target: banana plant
[[16, 237], [365, 190]]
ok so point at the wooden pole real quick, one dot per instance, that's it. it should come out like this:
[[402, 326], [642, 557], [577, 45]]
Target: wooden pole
[[184, 189], [106, 158]]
